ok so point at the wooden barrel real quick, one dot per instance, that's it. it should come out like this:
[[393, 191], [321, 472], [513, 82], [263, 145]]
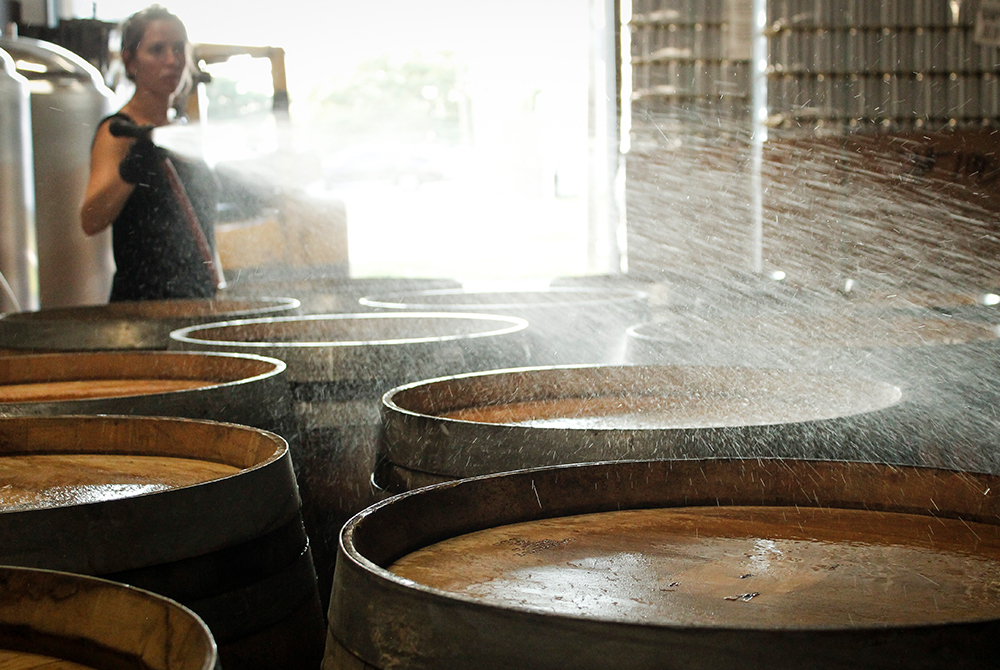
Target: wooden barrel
[[123, 325], [946, 368], [234, 388], [476, 424], [764, 564], [333, 294], [566, 325], [202, 512], [53, 620], [339, 366]]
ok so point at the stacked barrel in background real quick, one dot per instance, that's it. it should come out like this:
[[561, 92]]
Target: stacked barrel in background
[[866, 159], [690, 58], [687, 165], [903, 103], [902, 64]]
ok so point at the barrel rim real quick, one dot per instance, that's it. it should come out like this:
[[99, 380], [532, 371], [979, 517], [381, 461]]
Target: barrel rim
[[515, 324], [277, 367], [281, 450], [119, 312], [57, 578], [416, 447], [602, 296], [390, 404], [120, 325], [280, 443], [154, 527], [357, 562]]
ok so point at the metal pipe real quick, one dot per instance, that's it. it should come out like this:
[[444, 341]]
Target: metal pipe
[[18, 249], [759, 136]]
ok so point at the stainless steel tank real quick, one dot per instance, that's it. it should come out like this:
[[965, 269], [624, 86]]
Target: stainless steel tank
[[18, 258], [68, 99]]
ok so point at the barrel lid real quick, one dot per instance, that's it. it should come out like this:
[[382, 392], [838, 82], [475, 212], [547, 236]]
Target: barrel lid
[[536, 638]]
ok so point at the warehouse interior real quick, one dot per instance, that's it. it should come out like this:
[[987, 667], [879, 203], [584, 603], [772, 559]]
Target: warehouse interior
[[782, 114], [595, 302]]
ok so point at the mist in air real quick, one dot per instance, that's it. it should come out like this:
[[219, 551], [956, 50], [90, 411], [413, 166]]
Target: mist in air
[[850, 229]]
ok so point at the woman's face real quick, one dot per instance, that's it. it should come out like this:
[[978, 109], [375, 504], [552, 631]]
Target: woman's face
[[159, 60]]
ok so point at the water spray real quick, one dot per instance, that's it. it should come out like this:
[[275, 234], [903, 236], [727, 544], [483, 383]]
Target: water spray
[[122, 128]]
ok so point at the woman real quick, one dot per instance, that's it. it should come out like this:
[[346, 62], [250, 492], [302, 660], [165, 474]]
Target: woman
[[158, 254]]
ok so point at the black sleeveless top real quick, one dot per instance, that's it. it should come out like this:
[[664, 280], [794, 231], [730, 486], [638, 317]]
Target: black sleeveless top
[[156, 254]]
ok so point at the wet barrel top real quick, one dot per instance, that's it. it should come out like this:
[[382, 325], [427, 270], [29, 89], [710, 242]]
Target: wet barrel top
[[481, 423], [818, 331], [702, 563], [946, 368], [69, 377], [119, 491], [325, 295], [203, 512], [238, 388]]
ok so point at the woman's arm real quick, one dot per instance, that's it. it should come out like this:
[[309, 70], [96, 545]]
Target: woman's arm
[[106, 191]]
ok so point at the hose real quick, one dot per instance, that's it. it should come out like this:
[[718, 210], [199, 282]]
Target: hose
[[8, 292]]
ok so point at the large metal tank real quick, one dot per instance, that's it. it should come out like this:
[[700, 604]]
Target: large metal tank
[[68, 100], [18, 259]]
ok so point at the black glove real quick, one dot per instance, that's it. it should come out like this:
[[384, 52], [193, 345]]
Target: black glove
[[142, 163]]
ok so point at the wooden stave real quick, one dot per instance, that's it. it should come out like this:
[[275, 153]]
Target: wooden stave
[[189, 644], [269, 577], [299, 646], [418, 448], [455, 631], [275, 622], [336, 390]]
